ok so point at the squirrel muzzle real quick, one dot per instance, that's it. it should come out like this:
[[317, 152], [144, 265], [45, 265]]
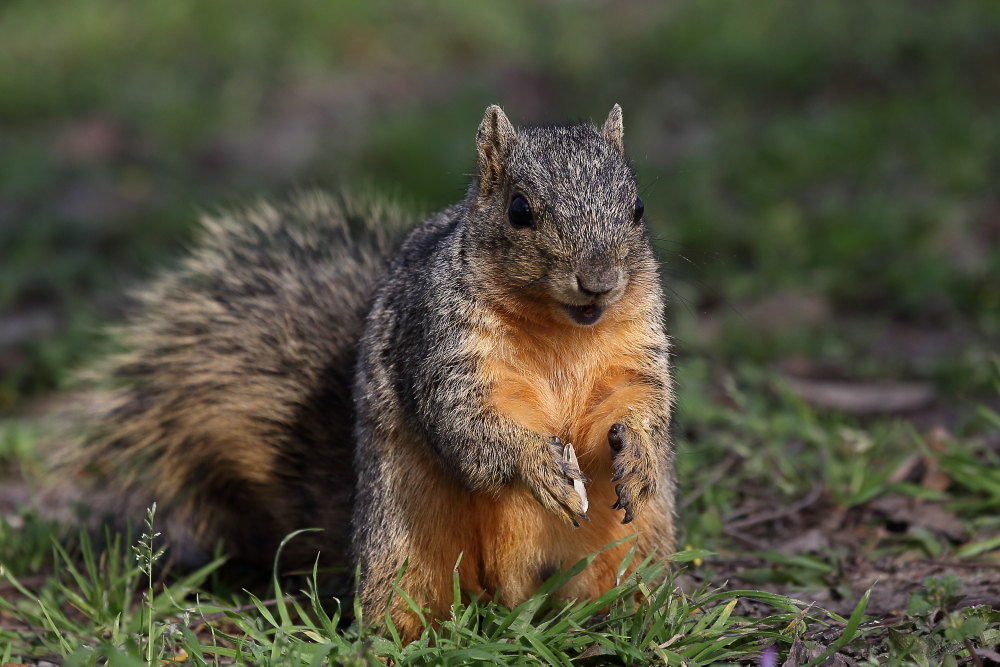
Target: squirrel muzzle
[[586, 294]]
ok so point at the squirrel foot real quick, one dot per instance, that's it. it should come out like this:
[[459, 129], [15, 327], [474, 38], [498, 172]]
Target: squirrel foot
[[635, 468]]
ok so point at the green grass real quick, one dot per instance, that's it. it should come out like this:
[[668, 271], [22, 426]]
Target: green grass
[[91, 613], [95, 604], [843, 151]]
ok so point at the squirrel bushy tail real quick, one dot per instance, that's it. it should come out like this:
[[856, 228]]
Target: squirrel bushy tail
[[231, 404]]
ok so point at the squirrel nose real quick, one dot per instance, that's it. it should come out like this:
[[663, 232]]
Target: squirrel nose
[[597, 280]]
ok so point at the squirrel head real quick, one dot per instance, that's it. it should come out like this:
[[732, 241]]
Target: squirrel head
[[555, 213]]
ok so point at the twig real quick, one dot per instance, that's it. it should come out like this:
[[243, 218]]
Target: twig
[[798, 619], [965, 603], [972, 652], [54, 659], [779, 513], [27, 582], [727, 463], [747, 539], [974, 565], [207, 618]]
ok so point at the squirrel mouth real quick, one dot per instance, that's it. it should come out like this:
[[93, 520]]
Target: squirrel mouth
[[585, 315]]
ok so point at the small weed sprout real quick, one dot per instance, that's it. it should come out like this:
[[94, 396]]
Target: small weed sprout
[[147, 556]]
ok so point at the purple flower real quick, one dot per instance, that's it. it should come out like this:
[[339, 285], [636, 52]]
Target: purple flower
[[769, 656]]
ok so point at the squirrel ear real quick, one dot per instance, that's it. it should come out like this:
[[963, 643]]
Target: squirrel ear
[[613, 129], [494, 141]]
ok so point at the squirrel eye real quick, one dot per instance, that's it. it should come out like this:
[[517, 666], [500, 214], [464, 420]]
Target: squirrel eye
[[519, 213], [639, 208]]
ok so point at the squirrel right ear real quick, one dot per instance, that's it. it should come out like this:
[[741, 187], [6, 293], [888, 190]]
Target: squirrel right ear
[[494, 141], [614, 130]]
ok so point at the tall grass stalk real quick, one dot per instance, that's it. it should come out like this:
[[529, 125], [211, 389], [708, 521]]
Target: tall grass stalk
[[147, 555]]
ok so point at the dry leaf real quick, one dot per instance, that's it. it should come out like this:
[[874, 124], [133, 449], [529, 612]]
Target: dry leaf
[[862, 398]]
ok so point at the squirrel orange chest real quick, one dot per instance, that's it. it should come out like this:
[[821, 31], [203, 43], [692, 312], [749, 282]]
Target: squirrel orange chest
[[571, 382]]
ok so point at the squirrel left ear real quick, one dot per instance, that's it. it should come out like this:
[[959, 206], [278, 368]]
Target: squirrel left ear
[[613, 129], [494, 141]]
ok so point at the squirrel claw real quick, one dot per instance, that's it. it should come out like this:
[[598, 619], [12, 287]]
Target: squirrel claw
[[615, 440], [634, 469]]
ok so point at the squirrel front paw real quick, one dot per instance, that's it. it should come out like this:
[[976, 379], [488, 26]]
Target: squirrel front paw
[[556, 481], [635, 470]]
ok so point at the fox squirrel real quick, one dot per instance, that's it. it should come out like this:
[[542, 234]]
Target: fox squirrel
[[501, 381]]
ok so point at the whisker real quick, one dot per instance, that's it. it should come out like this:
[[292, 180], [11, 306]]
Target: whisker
[[674, 253], [647, 187], [709, 290], [688, 277], [664, 239], [687, 303]]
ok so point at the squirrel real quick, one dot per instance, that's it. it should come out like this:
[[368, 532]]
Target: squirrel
[[500, 382]]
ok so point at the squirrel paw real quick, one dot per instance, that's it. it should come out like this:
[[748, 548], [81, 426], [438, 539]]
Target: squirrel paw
[[557, 482], [635, 471]]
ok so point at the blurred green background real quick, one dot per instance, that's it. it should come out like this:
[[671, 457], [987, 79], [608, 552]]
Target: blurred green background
[[821, 177]]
